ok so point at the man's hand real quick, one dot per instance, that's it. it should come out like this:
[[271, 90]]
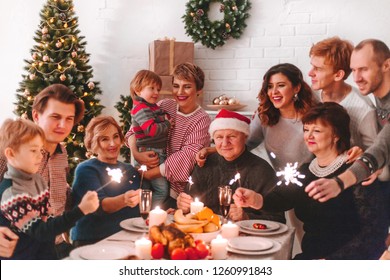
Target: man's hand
[[248, 198], [184, 202]]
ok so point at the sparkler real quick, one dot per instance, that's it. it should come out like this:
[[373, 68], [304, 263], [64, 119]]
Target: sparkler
[[116, 175], [290, 174], [142, 168], [190, 182], [236, 178]]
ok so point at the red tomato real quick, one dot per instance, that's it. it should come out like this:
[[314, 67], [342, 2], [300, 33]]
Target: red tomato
[[191, 253], [178, 254], [157, 251], [202, 250], [197, 241]]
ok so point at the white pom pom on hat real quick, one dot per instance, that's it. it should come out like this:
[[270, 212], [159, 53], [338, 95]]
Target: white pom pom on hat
[[226, 119]]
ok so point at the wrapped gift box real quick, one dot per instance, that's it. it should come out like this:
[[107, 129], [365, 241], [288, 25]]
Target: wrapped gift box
[[165, 55], [166, 87]]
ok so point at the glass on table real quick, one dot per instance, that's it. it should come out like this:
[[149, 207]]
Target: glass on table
[[225, 199], [145, 203]]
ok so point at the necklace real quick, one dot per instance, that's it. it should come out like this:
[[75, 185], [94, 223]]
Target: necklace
[[321, 172]]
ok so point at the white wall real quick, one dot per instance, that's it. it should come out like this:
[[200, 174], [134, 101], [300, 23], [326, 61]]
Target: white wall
[[118, 32]]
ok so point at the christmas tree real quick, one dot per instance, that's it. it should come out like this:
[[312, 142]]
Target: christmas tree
[[59, 56], [124, 107]]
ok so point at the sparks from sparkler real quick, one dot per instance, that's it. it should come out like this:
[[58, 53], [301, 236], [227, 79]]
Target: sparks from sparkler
[[290, 175], [236, 178], [190, 182], [142, 168], [115, 174]]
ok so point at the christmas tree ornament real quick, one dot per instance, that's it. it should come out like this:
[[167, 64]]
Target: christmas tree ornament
[[216, 101], [74, 54], [26, 92], [45, 30], [24, 116], [59, 44], [34, 56], [32, 76], [62, 16], [91, 85], [80, 128], [213, 34], [45, 58], [62, 77], [232, 101]]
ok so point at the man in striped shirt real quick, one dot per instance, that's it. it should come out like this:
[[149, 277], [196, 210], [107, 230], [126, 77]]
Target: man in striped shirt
[[185, 139], [56, 110]]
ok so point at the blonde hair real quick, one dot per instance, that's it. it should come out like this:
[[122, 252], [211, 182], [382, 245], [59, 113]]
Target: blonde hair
[[94, 131], [142, 79], [14, 133]]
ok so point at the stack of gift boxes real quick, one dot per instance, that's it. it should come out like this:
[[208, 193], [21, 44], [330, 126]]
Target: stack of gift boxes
[[164, 55]]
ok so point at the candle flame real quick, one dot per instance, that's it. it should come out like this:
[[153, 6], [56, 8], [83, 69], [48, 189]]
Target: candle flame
[[290, 175]]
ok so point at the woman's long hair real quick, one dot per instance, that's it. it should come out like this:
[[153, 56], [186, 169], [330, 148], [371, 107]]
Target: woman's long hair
[[268, 114]]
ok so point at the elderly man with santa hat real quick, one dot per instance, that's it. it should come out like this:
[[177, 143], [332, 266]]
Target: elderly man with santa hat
[[229, 131]]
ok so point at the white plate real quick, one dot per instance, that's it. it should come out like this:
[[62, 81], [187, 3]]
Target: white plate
[[250, 243], [283, 228], [248, 225], [275, 248], [101, 252], [130, 224], [140, 223]]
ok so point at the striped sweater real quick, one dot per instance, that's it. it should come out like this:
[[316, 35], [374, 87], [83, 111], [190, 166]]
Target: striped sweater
[[149, 124], [185, 139]]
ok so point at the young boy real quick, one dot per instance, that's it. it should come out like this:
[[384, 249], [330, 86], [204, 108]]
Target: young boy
[[25, 195], [150, 125]]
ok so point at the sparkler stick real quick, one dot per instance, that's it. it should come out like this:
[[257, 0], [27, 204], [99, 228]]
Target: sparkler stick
[[116, 175], [190, 182], [142, 168]]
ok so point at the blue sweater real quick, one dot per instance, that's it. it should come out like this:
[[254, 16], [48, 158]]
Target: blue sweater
[[90, 175]]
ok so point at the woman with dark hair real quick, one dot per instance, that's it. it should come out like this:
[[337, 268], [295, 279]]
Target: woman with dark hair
[[350, 226], [119, 201]]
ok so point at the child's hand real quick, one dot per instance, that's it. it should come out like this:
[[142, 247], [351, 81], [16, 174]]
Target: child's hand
[[89, 203], [168, 118]]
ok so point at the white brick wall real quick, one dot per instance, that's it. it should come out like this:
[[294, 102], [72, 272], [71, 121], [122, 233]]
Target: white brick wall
[[118, 33]]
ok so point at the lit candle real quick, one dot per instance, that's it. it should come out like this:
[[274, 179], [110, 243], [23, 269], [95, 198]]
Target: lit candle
[[196, 206], [219, 248], [143, 248], [229, 230], [157, 216]]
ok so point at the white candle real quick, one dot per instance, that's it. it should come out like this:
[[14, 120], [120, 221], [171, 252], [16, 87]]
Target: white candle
[[143, 248], [230, 230], [219, 248], [196, 206], [157, 217]]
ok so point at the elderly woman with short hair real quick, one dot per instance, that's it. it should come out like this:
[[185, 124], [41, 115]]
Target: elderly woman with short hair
[[229, 131], [350, 226], [119, 201]]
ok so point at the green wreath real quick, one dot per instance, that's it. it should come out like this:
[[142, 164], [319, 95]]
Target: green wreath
[[214, 34]]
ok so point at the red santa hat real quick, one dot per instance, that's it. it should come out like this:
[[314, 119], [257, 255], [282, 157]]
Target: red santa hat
[[226, 119]]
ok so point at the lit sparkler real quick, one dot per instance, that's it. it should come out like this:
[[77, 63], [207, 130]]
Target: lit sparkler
[[190, 182], [236, 178], [290, 175], [115, 174], [142, 168]]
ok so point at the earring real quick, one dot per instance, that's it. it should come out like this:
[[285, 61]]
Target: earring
[[296, 98]]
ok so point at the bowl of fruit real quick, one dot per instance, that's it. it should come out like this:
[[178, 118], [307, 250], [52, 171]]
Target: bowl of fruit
[[204, 225]]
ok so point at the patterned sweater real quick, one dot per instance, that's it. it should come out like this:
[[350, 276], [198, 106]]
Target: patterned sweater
[[24, 208]]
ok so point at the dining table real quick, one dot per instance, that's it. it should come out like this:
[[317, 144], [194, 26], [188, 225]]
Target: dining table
[[282, 239]]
